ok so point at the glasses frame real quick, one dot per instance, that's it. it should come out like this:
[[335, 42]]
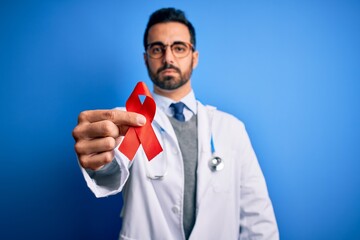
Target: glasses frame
[[165, 46]]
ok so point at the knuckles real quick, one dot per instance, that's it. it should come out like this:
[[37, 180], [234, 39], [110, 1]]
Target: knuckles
[[82, 116], [78, 148], [96, 162], [84, 161], [108, 157], [82, 148], [76, 132], [107, 128], [109, 143], [110, 115]]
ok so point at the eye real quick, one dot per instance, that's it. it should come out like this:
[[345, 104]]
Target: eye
[[179, 48], [156, 49]]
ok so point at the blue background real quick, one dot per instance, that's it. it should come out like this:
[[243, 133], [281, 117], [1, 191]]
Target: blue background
[[289, 69]]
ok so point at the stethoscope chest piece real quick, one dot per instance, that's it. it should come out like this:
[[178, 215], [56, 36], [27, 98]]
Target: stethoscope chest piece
[[216, 164]]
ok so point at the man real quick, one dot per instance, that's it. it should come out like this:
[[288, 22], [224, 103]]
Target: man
[[207, 183]]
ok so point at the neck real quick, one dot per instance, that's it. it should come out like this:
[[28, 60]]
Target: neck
[[176, 94]]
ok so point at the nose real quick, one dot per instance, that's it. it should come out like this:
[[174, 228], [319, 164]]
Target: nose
[[168, 56]]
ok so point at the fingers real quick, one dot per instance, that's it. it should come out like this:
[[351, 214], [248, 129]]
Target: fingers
[[118, 117], [95, 153], [95, 146], [106, 123], [104, 128], [98, 133], [96, 161]]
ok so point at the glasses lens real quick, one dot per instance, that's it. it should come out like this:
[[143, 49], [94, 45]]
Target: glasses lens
[[155, 51], [180, 50]]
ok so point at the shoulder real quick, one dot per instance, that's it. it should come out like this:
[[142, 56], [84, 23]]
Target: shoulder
[[226, 119], [226, 127]]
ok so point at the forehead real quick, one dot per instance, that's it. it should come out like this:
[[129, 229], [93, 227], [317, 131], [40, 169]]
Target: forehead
[[168, 33]]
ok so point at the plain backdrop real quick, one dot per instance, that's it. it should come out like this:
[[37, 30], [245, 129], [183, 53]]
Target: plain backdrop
[[290, 70]]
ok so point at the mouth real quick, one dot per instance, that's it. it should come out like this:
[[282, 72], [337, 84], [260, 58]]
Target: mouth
[[168, 71]]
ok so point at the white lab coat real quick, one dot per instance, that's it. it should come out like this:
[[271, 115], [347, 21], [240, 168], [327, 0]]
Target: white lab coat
[[230, 204]]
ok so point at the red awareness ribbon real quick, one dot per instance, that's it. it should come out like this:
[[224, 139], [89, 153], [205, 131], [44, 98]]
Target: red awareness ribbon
[[144, 135]]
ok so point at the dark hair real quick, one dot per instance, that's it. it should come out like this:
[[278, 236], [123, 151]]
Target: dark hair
[[165, 15]]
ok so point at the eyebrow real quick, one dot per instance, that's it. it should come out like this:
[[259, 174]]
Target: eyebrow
[[161, 43]]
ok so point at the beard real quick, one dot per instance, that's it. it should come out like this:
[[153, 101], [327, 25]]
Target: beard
[[170, 82]]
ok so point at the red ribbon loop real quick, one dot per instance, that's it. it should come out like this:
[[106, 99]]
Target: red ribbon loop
[[144, 135]]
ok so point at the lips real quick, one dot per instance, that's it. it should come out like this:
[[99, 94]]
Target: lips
[[168, 71]]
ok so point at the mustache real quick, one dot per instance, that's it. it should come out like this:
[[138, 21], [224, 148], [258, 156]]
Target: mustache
[[168, 66]]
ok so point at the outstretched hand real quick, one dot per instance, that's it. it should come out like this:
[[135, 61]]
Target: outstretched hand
[[98, 132]]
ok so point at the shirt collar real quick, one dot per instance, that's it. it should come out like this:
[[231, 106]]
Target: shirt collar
[[164, 102]]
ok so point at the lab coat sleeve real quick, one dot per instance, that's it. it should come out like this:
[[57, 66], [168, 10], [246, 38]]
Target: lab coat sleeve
[[257, 218], [111, 178]]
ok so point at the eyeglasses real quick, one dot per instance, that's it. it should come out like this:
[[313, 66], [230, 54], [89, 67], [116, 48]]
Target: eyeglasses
[[179, 49]]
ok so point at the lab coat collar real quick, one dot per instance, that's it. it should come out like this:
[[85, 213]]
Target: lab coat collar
[[164, 103], [163, 111], [161, 121], [205, 116]]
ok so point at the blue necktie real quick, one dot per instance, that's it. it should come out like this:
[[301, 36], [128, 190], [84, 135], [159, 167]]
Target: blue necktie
[[178, 111]]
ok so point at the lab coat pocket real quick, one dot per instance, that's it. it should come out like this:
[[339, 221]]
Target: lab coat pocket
[[157, 168]]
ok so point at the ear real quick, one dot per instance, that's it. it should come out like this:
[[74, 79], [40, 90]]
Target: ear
[[145, 59], [195, 57]]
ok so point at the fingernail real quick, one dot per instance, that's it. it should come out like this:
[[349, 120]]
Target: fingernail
[[141, 120]]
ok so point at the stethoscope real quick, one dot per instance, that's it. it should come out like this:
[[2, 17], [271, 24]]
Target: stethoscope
[[215, 163]]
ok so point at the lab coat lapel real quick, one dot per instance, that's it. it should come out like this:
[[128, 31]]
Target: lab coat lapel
[[204, 151], [161, 120]]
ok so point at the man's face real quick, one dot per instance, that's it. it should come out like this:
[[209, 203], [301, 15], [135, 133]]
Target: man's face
[[170, 72]]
